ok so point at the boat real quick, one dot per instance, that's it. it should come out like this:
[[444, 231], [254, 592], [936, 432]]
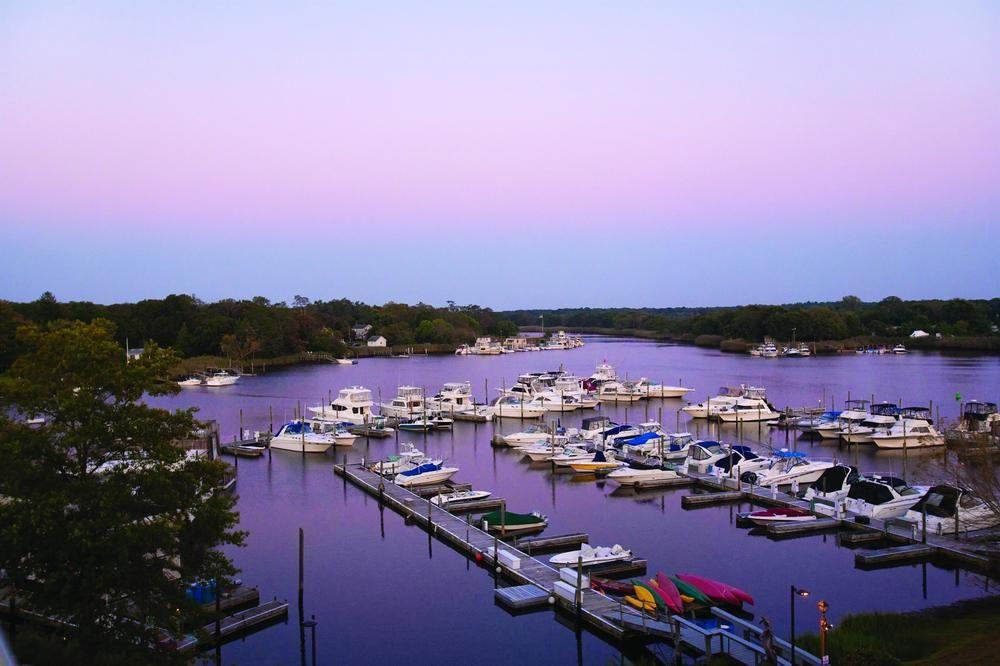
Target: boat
[[611, 586], [900, 349], [651, 390], [513, 522], [439, 422], [787, 467], [459, 497], [509, 406], [353, 405], [702, 455], [571, 455], [693, 594], [643, 478], [747, 410], [377, 428], [605, 372], [424, 474], [644, 436], [740, 459], [190, 381], [464, 350], [453, 398], [832, 485], [616, 391], [718, 591], [415, 425], [913, 430], [531, 435], [299, 436], [881, 497], [599, 463], [408, 403], [409, 456], [341, 435], [642, 598], [590, 555], [880, 417], [541, 452], [952, 510], [346, 361], [594, 427], [222, 378], [727, 397], [780, 515], [850, 418]]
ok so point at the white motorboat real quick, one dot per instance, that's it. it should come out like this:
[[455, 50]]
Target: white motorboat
[[643, 478], [353, 405], [408, 403], [424, 474], [950, 509], [832, 485], [882, 497], [511, 407], [589, 556], [542, 452], [222, 378], [453, 398], [190, 381], [651, 390], [605, 372], [299, 436], [728, 396], [531, 435], [747, 410], [848, 419], [554, 402], [459, 497], [409, 456], [740, 459], [786, 468], [701, 456], [909, 433], [880, 417], [346, 361], [571, 455], [341, 434], [464, 350], [594, 427], [619, 392], [900, 349]]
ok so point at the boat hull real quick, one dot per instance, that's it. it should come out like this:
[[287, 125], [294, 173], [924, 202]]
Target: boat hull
[[297, 445]]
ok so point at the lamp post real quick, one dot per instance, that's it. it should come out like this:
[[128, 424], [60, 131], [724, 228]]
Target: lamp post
[[823, 627], [795, 591], [311, 625]]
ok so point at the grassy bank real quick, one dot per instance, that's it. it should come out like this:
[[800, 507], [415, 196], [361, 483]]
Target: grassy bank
[[963, 633]]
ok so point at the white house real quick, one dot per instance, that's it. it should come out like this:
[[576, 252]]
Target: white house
[[360, 331], [377, 341], [920, 334]]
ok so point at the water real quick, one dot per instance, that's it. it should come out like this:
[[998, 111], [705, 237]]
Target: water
[[384, 591]]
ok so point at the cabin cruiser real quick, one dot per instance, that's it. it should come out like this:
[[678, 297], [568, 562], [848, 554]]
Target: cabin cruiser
[[188, 382], [341, 434], [605, 372], [509, 406], [740, 459], [651, 390], [978, 417], [589, 555], [619, 392], [222, 378], [594, 427], [554, 402], [952, 510], [648, 431], [747, 410], [642, 476], [353, 405], [855, 413], [808, 424], [900, 349], [540, 452], [880, 417], [453, 398], [766, 350], [408, 403], [701, 456], [531, 435], [409, 456], [881, 497], [913, 430], [300, 437], [424, 474], [728, 397], [832, 485], [464, 350], [786, 468], [571, 455]]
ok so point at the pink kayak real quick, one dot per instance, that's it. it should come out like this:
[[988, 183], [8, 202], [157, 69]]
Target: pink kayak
[[717, 590], [671, 595]]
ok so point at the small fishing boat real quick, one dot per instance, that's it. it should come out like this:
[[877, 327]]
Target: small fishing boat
[[718, 591], [459, 497], [780, 515], [599, 463], [346, 361], [610, 586], [590, 555], [439, 422], [425, 474], [513, 522]]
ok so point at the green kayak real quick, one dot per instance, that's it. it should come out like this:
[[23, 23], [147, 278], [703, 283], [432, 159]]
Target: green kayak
[[689, 590]]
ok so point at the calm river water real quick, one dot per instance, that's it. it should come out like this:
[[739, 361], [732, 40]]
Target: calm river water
[[382, 592]]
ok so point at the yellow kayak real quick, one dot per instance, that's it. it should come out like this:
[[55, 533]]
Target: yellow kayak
[[643, 599]]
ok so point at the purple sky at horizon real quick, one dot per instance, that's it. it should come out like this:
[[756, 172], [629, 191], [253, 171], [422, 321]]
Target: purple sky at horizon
[[512, 155]]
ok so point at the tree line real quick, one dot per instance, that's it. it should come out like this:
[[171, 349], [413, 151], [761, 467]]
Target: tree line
[[847, 318], [257, 327]]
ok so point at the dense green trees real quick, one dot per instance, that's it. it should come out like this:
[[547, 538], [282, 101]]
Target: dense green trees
[[104, 520], [846, 318], [257, 327]]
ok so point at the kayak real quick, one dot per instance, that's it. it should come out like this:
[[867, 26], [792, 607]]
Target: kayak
[[689, 590], [669, 592], [660, 603], [609, 586], [717, 590], [643, 599]]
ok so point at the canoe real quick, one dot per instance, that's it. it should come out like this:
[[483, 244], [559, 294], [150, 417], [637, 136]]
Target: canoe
[[643, 599], [669, 592], [609, 586], [689, 590], [718, 590], [660, 602]]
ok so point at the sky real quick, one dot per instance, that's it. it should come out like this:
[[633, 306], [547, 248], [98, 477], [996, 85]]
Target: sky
[[520, 154]]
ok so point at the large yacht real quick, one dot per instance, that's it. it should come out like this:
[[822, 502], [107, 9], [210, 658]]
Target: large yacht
[[650, 390], [880, 417], [353, 405], [912, 430], [408, 403], [453, 398]]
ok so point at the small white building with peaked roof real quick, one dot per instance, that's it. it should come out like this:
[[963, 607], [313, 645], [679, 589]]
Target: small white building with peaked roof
[[377, 341]]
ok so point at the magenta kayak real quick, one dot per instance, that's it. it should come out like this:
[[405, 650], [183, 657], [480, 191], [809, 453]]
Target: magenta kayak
[[670, 593], [717, 590]]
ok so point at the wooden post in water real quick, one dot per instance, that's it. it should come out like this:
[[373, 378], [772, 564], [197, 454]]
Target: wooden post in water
[[302, 569], [302, 429], [579, 582], [270, 419], [241, 424]]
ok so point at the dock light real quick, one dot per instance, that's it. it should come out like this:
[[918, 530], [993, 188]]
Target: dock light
[[795, 591]]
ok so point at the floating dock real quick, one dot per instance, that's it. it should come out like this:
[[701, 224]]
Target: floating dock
[[522, 597], [541, 544], [894, 554]]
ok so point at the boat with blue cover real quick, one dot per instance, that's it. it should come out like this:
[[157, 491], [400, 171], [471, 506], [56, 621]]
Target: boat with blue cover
[[425, 474]]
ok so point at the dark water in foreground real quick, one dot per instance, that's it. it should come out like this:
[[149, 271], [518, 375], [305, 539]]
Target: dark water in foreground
[[384, 592]]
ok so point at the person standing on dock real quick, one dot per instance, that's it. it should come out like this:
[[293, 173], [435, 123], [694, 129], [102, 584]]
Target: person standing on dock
[[767, 641]]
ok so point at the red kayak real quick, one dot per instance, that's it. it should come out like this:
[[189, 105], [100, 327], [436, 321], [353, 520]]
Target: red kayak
[[716, 590], [608, 586], [667, 589]]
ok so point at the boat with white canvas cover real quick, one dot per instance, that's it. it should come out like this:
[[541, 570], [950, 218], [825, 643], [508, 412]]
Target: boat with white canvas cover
[[570, 455], [353, 405], [701, 456], [642, 477], [882, 497], [951, 509], [590, 555], [787, 467], [619, 392], [460, 496], [542, 452], [299, 436], [222, 378], [650, 390], [747, 410], [912, 430], [424, 474]]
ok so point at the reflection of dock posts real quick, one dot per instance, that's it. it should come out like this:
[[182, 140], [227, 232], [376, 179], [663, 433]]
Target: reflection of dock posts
[[923, 517], [302, 629], [503, 517], [343, 463]]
